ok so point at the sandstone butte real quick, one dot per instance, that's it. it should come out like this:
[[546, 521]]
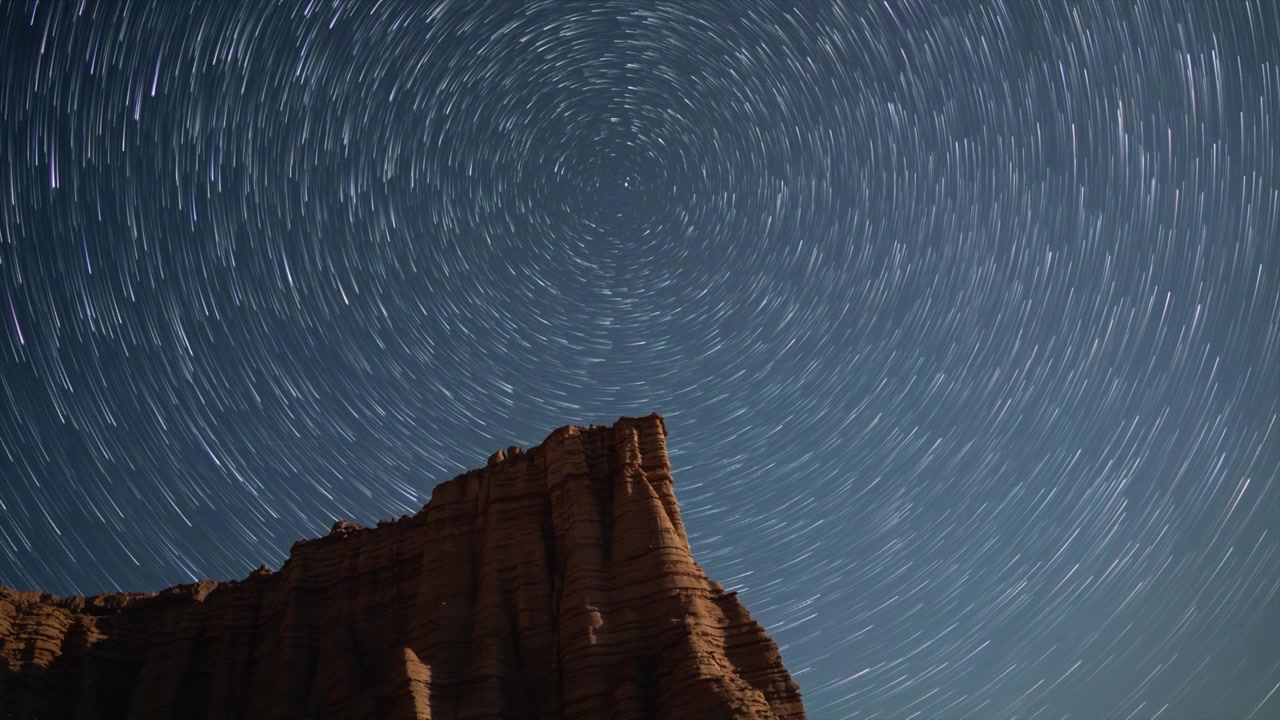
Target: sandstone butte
[[556, 582]]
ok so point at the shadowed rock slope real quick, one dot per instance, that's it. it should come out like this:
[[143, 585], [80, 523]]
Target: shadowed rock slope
[[554, 583]]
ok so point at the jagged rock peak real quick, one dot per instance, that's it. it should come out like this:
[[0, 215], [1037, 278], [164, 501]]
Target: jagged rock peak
[[555, 582]]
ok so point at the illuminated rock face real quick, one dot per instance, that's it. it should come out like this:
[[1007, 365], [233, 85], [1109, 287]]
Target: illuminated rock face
[[556, 582]]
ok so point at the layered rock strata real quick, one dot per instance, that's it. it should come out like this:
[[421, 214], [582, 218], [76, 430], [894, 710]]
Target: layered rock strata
[[555, 582]]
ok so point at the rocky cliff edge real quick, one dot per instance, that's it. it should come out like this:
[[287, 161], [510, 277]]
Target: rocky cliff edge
[[556, 582]]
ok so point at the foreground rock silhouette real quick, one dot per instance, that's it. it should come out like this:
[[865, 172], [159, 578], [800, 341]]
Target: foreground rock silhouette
[[556, 582]]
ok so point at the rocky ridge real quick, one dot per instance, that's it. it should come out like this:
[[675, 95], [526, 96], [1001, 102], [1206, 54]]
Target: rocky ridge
[[556, 582]]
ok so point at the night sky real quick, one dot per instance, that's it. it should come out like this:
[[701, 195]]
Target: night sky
[[964, 317]]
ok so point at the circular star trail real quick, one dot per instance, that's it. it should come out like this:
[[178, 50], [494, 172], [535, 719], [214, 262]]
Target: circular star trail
[[964, 317]]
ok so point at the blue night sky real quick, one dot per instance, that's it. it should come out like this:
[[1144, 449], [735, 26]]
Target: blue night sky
[[964, 316]]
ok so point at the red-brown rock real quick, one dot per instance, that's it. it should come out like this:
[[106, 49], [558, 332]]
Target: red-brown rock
[[557, 582]]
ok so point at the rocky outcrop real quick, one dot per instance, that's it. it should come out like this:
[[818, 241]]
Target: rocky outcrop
[[556, 582]]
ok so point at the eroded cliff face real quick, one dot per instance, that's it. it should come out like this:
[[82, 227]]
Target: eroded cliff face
[[556, 582]]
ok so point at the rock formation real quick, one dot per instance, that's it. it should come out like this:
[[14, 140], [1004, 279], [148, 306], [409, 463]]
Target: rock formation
[[556, 582]]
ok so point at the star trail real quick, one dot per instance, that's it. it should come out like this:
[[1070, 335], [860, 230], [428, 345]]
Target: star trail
[[964, 316]]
